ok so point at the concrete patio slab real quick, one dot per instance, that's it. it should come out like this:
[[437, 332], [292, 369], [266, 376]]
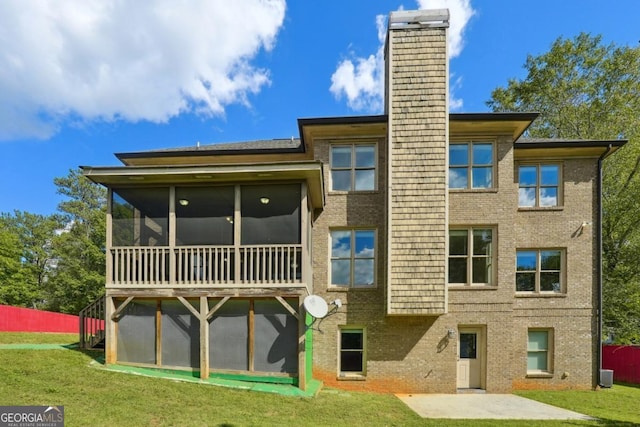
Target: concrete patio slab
[[485, 406]]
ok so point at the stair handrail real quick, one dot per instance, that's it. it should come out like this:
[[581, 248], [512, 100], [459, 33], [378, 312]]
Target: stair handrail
[[92, 323]]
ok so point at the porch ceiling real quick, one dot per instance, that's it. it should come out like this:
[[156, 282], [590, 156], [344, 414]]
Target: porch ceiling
[[310, 172]]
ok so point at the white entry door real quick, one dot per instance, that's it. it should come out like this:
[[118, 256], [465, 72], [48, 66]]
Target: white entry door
[[469, 358]]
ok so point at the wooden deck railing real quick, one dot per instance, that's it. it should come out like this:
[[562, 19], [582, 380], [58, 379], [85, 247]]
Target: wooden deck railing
[[271, 264], [206, 265], [140, 265]]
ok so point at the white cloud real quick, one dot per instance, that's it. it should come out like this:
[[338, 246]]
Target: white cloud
[[361, 80], [128, 60], [460, 12], [455, 83]]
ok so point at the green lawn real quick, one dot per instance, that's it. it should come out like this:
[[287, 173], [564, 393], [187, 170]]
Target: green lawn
[[98, 397]]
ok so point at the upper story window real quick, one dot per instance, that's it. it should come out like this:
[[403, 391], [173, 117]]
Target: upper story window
[[539, 271], [539, 185], [471, 256], [353, 167], [353, 258], [471, 165]]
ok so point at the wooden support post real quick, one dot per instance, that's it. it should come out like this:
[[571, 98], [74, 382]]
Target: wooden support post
[[251, 343], [305, 261], [237, 238], [204, 338], [109, 241], [302, 354], [173, 254], [159, 332], [111, 337]]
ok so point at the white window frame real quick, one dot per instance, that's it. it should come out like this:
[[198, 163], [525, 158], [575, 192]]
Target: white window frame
[[549, 352], [352, 374], [470, 165], [538, 185], [352, 258], [353, 168], [470, 256], [539, 270]]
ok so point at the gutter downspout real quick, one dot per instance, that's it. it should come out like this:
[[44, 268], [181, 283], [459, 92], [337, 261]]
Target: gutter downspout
[[599, 278]]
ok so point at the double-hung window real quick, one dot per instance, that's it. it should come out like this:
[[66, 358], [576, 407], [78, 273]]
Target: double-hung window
[[353, 167], [471, 256], [352, 352], [539, 351], [353, 258], [539, 271], [539, 185], [470, 165]]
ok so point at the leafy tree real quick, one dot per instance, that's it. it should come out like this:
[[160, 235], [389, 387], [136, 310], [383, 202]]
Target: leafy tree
[[585, 89], [14, 290], [26, 249], [79, 250]]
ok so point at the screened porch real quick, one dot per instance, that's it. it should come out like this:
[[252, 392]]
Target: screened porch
[[208, 236]]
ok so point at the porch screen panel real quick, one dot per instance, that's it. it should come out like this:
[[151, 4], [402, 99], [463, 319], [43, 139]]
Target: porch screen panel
[[204, 215], [270, 214], [140, 216], [180, 335], [137, 332], [229, 335], [275, 338]]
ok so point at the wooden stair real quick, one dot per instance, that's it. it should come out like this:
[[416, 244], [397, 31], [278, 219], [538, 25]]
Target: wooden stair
[[92, 325]]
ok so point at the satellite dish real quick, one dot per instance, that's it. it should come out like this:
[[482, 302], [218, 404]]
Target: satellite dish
[[316, 306]]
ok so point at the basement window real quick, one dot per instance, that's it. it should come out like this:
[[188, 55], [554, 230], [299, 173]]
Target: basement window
[[539, 352], [352, 357]]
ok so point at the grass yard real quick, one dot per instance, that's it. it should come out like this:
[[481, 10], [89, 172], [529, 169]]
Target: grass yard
[[96, 397]]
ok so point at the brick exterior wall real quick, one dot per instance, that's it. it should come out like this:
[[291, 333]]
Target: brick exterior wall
[[414, 353]]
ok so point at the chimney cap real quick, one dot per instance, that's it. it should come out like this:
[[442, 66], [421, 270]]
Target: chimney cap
[[419, 18]]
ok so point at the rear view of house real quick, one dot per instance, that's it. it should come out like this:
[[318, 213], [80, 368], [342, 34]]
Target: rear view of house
[[463, 255]]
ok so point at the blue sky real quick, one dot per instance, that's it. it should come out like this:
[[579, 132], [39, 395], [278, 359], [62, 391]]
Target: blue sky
[[80, 80]]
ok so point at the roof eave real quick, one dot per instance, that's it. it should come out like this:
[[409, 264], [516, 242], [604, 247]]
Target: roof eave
[[311, 127], [310, 172], [590, 148], [514, 124]]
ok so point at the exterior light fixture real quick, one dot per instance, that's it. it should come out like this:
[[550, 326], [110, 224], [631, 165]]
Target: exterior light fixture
[[451, 333], [264, 200], [183, 202], [229, 219]]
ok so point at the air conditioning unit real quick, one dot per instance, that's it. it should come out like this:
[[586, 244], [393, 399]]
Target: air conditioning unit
[[606, 378]]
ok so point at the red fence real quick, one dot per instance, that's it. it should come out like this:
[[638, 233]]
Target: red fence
[[624, 360], [18, 319]]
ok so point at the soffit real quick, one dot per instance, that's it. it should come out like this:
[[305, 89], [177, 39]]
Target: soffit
[[212, 158], [489, 124], [527, 149], [341, 128]]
